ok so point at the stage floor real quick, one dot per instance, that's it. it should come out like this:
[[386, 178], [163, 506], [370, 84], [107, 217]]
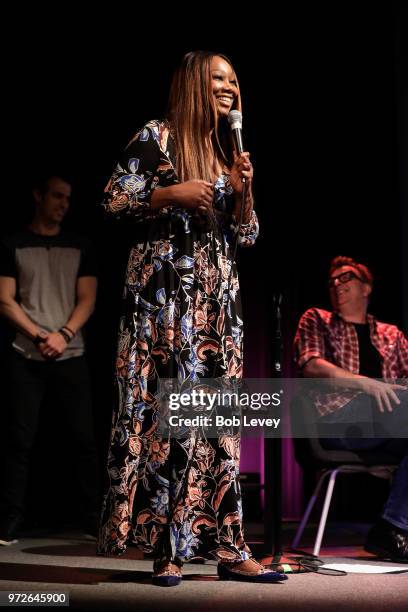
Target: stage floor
[[66, 562]]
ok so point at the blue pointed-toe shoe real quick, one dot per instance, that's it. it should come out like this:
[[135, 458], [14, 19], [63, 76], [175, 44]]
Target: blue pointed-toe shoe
[[166, 576], [265, 575]]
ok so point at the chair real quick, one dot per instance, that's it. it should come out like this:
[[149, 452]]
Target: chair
[[310, 453]]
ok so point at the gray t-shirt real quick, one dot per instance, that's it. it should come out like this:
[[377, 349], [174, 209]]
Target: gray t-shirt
[[46, 269]]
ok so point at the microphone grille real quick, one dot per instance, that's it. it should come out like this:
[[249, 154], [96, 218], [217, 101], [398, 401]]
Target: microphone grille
[[235, 119]]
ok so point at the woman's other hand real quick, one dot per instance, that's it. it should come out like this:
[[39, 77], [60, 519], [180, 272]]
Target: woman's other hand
[[194, 194]]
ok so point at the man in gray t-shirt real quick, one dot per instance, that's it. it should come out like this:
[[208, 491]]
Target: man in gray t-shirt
[[47, 292]]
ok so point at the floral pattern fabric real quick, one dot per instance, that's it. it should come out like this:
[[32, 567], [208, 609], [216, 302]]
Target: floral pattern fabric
[[176, 498]]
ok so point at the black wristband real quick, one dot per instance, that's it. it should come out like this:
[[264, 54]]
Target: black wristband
[[68, 331], [66, 336]]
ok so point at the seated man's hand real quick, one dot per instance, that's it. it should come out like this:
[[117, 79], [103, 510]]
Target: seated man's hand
[[53, 346], [384, 393]]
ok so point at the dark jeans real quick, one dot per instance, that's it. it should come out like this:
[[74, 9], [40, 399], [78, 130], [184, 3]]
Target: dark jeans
[[362, 415], [66, 383]]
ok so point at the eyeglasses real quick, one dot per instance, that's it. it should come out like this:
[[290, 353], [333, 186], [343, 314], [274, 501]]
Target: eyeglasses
[[345, 277]]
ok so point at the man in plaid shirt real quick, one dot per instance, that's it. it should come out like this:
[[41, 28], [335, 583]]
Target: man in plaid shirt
[[367, 364]]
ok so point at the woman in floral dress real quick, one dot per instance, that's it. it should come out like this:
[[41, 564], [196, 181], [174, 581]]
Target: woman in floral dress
[[180, 181]]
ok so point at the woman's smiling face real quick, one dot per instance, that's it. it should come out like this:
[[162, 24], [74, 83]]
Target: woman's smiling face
[[224, 85]]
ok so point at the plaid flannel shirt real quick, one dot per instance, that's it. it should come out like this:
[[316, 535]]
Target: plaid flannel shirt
[[326, 335]]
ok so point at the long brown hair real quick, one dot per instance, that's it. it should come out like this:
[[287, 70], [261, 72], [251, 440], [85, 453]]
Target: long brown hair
[[192, 115]]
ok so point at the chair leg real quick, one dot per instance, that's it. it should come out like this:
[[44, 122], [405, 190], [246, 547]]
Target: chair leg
[[308, 510], [325, 512]]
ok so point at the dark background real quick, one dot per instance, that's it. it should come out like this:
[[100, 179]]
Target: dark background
[[325, 118], [321, 89]]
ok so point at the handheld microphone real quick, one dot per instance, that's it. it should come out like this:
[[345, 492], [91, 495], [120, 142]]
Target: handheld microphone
[[235, 121]]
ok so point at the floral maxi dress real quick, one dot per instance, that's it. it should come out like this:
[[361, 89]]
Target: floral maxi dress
[[176, 498]]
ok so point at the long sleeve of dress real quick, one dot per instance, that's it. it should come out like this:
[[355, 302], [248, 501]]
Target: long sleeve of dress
[[248, 232], [129, 189]]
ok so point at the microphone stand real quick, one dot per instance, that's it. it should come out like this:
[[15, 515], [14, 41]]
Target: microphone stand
[[273, 454], [272, 446]]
